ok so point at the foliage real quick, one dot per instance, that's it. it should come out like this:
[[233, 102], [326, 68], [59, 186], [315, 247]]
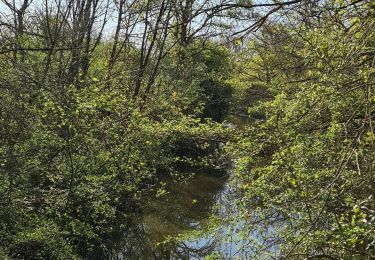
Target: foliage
[[306, 161], [81, 157], [103, 103]]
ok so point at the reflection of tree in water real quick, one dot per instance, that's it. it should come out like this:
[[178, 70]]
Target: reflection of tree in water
[[186, 206], [185, 251]]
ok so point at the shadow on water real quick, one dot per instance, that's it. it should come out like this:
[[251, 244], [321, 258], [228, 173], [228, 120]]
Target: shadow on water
[[185, 207]]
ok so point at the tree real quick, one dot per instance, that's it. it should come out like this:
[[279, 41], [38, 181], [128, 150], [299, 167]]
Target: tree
[[306, 163]]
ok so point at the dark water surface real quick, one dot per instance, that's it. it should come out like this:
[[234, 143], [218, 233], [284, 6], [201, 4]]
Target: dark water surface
[[187, 206]]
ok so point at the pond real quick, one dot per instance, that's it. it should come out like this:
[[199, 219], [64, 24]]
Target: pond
[[187, 206]]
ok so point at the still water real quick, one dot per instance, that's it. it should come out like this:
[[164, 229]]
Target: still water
[[167, 227]]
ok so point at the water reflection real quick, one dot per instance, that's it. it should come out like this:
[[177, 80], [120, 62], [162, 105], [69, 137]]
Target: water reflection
[[187, 206]]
